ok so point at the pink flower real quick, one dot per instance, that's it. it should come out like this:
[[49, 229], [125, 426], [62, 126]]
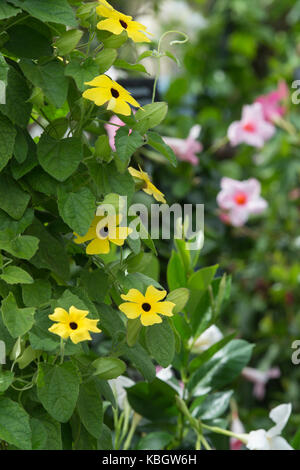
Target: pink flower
[[240, 199], [112, 129], [238, 428], [260, 379], [271, 102], [186, 149], [252, 129]]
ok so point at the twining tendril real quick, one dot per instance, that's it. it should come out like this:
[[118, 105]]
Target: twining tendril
[[159, 54]]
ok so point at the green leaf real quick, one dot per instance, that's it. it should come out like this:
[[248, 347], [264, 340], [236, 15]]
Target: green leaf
[[150, 116], [91, 281], [59, 12], [160, 341], [20, 146], [58, 389], [122, 64], [51, 253], [155, 400], [50, 78], [27, 357], [82, 71], [133, 331], [175, 272], [102, 148], [17, 108], [59, 158], [89, 407], [68, 41], [37, 293], [222, 368], [7, 141], [109, 367], [180, 298], [77, 209], [17, 320], [15, 275], [201, 279], [14, 424], [155, 441], [155, 141], [126, 144], [105, 59], [7, 11], [115, 41], [6, 379], [212, 407], [105, 440], [209, 353], [13, 200], [111, 322], [23, 247], [31, 40]]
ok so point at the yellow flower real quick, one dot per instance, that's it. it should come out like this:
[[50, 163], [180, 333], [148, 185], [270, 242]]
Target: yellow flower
[[73, 325], [107, 91], [146, 306], [117, 22], [149, 187], [103, 231]]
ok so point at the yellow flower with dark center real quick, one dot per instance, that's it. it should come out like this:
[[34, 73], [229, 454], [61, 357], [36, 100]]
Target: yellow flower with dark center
[[103, 231], [108, 91], [147, 306], [73, 324], [148, 187], [117, 22]]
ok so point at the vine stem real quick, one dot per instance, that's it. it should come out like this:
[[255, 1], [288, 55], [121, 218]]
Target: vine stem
[[135, 421], [159, 55]]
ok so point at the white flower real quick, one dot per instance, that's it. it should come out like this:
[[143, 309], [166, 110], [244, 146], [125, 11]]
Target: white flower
[[209, 337], [118, 386], [272, 439], [164, 374]]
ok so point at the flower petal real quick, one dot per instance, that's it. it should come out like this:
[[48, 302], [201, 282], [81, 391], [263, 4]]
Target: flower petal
[[76, 315], [165, 308], [98, 95], [60, 314], [148, 319], [131, 310], [91, 325], [133, 295], [97, 247], [111, 24], [79, 335], [60, 329], [154, 295]]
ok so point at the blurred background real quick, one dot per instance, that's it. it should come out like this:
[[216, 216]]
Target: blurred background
[[237, 51]]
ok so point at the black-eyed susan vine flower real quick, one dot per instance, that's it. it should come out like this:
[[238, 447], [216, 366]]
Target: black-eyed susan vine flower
[[117, 22], [148, 306], [73, 324], [102, 232], [106, 90], [148, 187]]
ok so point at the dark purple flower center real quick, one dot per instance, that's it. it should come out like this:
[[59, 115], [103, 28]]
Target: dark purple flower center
[[114, 93], [122, 23], [73, 326], [146, 307]]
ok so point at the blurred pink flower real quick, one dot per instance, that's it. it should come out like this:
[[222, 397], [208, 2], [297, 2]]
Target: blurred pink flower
[[271, 102], [186, 149], [240, 199], [111, 128], [238, 428], [260, 379], [252, 129]]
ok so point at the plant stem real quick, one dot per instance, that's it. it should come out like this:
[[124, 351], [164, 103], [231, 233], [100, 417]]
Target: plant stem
[[135, 421]]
